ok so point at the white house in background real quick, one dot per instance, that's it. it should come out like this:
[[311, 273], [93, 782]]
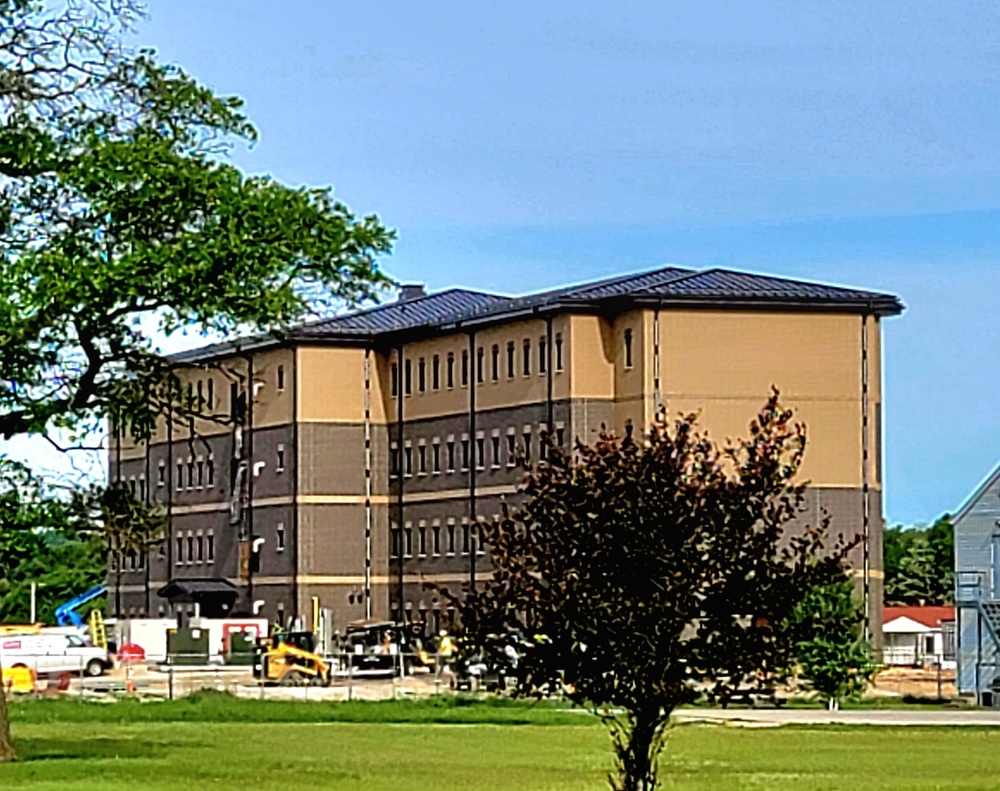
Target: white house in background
[[918, 636]]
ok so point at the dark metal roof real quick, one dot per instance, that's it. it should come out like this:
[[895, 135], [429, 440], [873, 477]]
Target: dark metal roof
[[187, 591], [665, 287]]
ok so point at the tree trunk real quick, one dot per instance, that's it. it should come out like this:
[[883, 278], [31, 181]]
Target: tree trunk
[[7, 753], [638, 744]]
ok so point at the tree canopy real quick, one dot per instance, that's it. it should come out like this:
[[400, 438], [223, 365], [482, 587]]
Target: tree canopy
[[645, 572], [920, 563]]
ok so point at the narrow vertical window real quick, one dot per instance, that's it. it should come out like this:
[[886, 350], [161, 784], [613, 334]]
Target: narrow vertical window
[[394, 379], [543, 361], [180, 551], [281, 377], [180, 475], [510, 360], [190, 466], [422, 541], [201, 394], [211, 393], [451, 455], [210, 472], [394, 535], [408, 455], [465, 539], [480, 453], [161, 473], [495, 362], [437, 540], [496, 451], [527, 357], [511, 449], [527, 445], [628, 348], [451, 538], [142, 489], [280, 461], [465, 368], [408, 538], [201, 473], [480, 355], [436, 372], [394, 459], [210, 553], [436, 458], [407, 377], [451, 370], [201, 549], [190, 549], [280, 537], [560, 436], [559, 352], [422, 375], [465, 454], [422, 459]]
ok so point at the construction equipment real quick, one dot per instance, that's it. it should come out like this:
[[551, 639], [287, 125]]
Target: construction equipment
[[98, 634], [290, 659], [15, 628], [67, 613]]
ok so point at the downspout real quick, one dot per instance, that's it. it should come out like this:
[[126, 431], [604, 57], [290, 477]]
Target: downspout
[[473, 461], [401, 511], [368, 484], [865, 481], [145, 544], [170, 491], [117, 548], [657, 397], [250, 477], [550, 417], [295, 483]]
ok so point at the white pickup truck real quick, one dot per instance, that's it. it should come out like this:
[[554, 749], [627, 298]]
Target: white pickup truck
[[53, 653]]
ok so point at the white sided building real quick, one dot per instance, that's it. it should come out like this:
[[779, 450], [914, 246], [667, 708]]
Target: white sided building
[[918, 636]]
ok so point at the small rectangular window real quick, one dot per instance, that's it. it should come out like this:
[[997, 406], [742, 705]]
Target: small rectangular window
[[201, 549], [180, 475], [560, 436], [408, 457], [161, 474], [280, 537], [190, 466], [465, 454], [510, 360], [422, 541], [210, 472], [201, 473], [422, 459], [190, 549], [436, 458], [394, 460], [628, 348], [527, 446], [559, 352], [394, 379], [511, 450], [280, 461], [201, 395], [451, 455], [495, 362], [480, 453], [211, 393], [210, 541], [281, 377], [142, 489], [395, 535], [465, 539], [436, 372], [408, 537], [527, 357], [437, 540], [451, 370], [180, 552], [480, 356], [422, 375], [451, 538], [407, 377], [465, 368], [543, 362], [496, 452]]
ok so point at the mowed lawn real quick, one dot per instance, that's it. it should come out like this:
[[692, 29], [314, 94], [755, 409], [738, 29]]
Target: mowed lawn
[[380, 756]]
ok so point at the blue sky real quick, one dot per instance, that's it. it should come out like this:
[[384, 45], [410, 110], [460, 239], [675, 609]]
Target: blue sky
[[521, 145]]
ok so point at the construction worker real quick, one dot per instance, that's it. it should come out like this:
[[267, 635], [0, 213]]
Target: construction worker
[[446, 646]]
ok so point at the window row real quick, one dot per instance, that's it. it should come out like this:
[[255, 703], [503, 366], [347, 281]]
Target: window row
[[436, 457], [127, 561], [434, 375], [436, 539], [194, 473], [194, 549]]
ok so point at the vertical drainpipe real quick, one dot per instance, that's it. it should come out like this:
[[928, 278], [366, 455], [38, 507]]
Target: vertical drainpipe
[[400, 509], [657, 398], [295, 482], [368, 483], [865, 482], [548, 376], [170, 491], [250, 477], [473, 461], [117, 547], [145, 549]]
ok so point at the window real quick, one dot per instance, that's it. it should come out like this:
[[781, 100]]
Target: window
[[451, 370], [465, 368], [628, 348], [190, 473], [511, 449], [131, 485], [190, 549], [465, 453], [480, 355], [279, 540], [451, 455], [201, 549], [422, 459], [422, 375], [201, 473], [394, 459], [437, 540], [510, 360], [543, 362], [408, 538], [394, 380], [211, 393], [527, 357], [180, 552], [482, 540], [407, 377], [142, 489], [560, 436], [201, 394], [436, 457], [480, 453], [210, 472], [408, 452], [451, 538], [496, 451], [280, 461], [436, 372], [281, 377], [495, 362], [422, 541], [527, 444], [395, 536], [210, 547], [559, 352], [161, 474], [465, 539], [180, 475]]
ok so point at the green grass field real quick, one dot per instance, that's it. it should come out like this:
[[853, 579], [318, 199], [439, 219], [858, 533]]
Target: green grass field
[[223, 745]]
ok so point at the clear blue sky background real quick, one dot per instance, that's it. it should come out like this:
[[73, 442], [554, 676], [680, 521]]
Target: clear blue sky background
[[522, 145]]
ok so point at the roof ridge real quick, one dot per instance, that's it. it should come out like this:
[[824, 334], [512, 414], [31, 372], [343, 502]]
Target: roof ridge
[[396, 303]]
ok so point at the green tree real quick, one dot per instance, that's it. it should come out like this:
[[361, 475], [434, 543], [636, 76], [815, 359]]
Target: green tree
[[646, 573], [121, 220], [833, 658], [920, 563]]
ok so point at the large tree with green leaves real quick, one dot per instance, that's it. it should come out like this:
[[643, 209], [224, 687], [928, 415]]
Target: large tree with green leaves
[[648, 571], [920, 563], [122, 220]]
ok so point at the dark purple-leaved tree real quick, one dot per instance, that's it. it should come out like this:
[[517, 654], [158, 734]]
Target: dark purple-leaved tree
[[645, 572]]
